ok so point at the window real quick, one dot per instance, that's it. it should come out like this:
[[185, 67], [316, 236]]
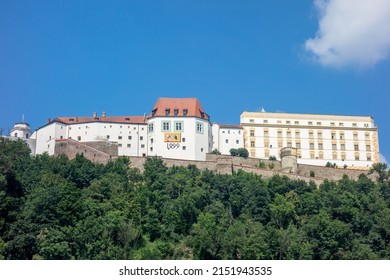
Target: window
[[184, 148], [151, 141], [251, 120], [201, 149], [179, 126], [334, 155], [297, 135], [128, 145], [343, 156], [280, 134], [310, 123], [119, 145], [227, 141], [61, 137], [151, 149], [289, 144], [354, 124], [288, 122], [355, 136], [266, 134], [78, 138], [266, 153], [252, 133], [228, 131], [319, 123], [266, 144], [311, 146], [320, 146], [154, 112], [129, 137], [367, 137], [319, 135], [108, 136], [341, 124], [237, 141], [183, 140], [332, 124], [368, 148], [368, 157], [142, 146], [167, 112], [334, 147], [356, 147], [119, 137], [199, 127], [296, 122], [279, 121], [342, 137], [280, 144], [312, 155], [298, 145], [321, 155], [265, 121], [141, 138], [166, 126], [333, 135], [342, 147], [288, 134], [151, 127], [311, 135], [185, 112], [176, 112], [252, 144], [357, 156]]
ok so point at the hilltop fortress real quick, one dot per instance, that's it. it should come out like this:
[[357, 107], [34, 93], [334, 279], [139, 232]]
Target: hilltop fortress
[[180, 129]]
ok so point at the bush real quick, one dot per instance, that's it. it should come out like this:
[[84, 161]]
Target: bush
[[216, 152], [273, 158], [271, 166], [240, 152], [262, 164], [312, 174], [332, 165]]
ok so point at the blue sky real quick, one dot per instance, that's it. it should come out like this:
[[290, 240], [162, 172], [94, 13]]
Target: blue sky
[[63, 58]]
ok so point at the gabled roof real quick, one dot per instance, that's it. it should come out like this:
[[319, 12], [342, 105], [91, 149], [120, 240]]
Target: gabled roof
[[122, 119], [178, 107]]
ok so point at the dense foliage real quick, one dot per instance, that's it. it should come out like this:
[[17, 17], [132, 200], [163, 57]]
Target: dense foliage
[[55, 208]]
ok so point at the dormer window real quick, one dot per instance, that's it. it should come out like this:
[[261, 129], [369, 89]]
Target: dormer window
[[127, 119], [185, 112], [71, 120], [167, 112], [154, 112], [202, 115], [176, 112]]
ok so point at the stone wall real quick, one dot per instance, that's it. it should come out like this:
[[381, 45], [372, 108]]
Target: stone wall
[[102, 152], [71, 148]]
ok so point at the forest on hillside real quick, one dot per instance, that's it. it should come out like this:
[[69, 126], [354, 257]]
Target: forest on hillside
[[55, 208]]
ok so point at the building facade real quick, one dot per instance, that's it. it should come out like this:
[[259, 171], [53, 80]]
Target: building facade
[[227, 137], [350, 141], [179, 128]]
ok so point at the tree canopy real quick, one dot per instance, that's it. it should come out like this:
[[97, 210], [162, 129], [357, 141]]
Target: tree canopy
[[55, 208]]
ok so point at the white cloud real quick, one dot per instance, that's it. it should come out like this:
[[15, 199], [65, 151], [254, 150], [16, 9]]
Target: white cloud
[[351, 33], [382, 158]]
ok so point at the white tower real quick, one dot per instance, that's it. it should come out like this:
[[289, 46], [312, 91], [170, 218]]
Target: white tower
[[21, 130]]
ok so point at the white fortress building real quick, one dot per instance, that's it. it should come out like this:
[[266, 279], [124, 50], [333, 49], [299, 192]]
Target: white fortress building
[[179, 128], [350, 141]]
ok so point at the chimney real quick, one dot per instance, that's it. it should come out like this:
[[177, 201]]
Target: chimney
[[104, 114], [94, 114]]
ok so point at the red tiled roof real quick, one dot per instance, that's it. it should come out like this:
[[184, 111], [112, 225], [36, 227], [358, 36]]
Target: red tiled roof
[[192, 105], [123, 119]]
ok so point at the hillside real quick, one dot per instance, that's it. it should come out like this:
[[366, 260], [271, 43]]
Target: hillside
[[56, 208]]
